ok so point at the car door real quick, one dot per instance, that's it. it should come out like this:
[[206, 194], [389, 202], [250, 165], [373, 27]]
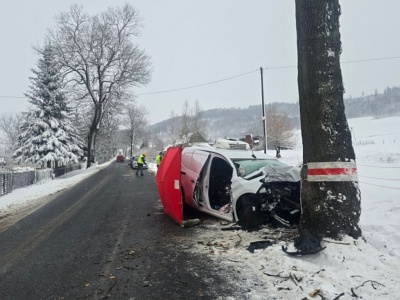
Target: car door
[[200, 189], [194, 163]]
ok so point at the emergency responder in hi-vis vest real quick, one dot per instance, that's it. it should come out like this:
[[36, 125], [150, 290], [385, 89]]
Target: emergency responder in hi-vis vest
[[158, 159], [140, 162]]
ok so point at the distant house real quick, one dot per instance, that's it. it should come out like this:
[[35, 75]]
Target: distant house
[[191, 139], [196, 138]]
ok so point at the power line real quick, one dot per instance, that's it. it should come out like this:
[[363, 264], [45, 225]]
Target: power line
[[240, 75], [276, 68], [370, 59], [389, 179], [198, 85], [381, 167], [266, 68], [342, 62], [386, 187]]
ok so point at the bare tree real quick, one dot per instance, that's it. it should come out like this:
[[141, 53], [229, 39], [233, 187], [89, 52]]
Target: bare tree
[[184, 122], [136, 122], [107, 138], [197, 123], [100, 59], [10, 125], [190, 121], [158, 143], [173, 127], [280, 131], [331, 205]]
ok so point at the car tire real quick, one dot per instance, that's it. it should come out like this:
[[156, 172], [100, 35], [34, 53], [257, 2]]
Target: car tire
[[251, 216]]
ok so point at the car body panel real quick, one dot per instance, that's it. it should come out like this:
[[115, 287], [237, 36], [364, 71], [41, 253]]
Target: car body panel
[[168, 183], [192, 165]]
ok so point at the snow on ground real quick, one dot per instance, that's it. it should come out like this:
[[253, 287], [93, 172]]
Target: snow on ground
[[366, 268], [20, 198]]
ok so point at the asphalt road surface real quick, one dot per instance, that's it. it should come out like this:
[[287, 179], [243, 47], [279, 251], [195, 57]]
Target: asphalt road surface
[[105, 238]]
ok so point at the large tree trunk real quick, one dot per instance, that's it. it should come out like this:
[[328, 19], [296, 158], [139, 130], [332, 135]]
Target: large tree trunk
[[91, 147], [94, 128], [330, 207]]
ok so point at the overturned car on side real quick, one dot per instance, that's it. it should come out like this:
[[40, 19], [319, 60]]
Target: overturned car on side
[[242, 186]]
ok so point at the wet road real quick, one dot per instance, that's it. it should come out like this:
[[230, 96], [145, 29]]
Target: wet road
[[105, 238]]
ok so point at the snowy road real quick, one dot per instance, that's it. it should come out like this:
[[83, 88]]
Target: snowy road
[[105, 237]]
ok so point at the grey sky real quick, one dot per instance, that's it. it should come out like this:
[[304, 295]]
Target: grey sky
[[192, 42]]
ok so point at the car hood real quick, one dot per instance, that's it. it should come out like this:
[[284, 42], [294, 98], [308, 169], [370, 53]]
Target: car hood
[[281, 173]]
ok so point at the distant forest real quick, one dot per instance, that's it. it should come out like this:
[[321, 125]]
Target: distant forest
[[237, 122], [376, 105]]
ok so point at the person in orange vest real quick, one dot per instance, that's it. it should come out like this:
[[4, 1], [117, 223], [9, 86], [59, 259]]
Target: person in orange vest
[[140, 162]]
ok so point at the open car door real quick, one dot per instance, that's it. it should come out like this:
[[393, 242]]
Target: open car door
[[168, 183], [198, 188]]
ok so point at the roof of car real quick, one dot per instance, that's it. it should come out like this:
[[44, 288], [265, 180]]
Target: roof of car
[[236, 154]]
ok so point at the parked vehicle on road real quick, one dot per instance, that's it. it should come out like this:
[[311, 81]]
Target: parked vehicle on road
[[133, 163], [232, 144], [120, 158]]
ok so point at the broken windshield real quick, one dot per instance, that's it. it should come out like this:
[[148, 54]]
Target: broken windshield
[[245, 167]]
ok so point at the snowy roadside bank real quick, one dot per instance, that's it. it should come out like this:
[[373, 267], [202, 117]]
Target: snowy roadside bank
[[25, 200]]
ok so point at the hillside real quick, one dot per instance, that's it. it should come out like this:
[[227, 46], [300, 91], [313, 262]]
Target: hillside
[[237, 122]]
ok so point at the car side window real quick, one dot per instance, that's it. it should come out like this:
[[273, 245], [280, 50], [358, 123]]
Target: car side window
[[240, 170]]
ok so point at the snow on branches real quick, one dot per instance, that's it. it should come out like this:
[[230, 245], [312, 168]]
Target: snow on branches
[[47, 134]]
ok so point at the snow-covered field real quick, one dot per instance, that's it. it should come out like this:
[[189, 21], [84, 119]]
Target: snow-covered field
[[366, 268]]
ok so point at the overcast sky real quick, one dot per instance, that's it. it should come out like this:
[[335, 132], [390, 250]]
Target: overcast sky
[[202, 41]]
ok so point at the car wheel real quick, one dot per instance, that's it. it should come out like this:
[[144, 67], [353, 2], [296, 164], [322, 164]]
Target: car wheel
[[249, 214]]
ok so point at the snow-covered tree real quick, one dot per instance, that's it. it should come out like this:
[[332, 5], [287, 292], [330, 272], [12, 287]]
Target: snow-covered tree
[[47, 133], [279, 129], [136, 122], [10, 125]]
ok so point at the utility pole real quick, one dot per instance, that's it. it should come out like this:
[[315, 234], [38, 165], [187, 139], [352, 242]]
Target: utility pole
[[263, 112]]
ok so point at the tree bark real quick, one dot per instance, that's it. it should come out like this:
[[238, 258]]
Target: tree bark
[[329, 208], [94, 128]]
